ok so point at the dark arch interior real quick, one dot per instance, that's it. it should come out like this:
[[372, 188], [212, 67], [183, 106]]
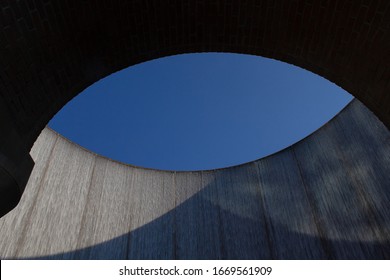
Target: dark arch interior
[[52, 50]]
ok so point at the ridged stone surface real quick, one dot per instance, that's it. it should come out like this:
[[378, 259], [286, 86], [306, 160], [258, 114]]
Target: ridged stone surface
[[326, 197]]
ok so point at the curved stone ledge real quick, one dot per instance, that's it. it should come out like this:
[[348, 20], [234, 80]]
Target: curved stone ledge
[[325, 197], [51, 50]]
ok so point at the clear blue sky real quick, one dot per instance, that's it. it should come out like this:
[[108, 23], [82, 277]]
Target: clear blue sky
[[199, 111]]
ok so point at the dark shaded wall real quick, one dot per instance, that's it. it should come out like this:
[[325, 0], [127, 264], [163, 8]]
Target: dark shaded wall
[[326, 197], [50, 50]]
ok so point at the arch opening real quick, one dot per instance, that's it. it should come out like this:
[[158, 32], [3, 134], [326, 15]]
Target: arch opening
[[199, 111], [69, 46]]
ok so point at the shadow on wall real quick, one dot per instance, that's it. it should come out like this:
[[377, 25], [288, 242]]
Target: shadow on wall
[[202, 229], [327, 197], [250, 212]]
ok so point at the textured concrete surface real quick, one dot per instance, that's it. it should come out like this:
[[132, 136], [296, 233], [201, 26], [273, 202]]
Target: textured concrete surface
[[51, 50], [326, 197]]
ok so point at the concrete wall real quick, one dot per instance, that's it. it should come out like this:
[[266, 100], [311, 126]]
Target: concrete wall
[[51, 50], [327, 196]]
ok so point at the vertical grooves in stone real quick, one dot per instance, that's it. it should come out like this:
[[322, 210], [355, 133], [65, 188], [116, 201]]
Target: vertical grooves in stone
[[325, 245], [40, 186]]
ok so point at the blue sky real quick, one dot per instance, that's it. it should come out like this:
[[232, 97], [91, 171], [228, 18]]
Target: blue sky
[[199, 111]]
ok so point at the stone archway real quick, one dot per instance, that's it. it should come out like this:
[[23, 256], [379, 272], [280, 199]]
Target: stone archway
[[52, 50]]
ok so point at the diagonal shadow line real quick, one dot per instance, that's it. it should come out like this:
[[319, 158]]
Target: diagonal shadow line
[[207, 229]]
